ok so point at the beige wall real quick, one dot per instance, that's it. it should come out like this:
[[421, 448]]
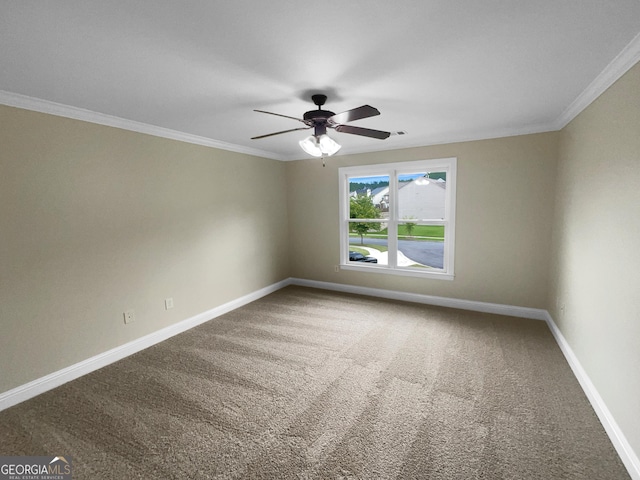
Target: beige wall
[[503, 225], [96, 220], [596, 247]]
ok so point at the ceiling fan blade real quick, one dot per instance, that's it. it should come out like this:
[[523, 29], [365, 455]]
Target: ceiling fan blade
[[278, 133], [365, 132], [285, 116], [364, 111]]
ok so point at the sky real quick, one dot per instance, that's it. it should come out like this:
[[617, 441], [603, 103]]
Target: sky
[[383, 178]]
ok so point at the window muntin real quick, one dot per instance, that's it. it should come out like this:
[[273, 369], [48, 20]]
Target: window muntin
[[401, 216]]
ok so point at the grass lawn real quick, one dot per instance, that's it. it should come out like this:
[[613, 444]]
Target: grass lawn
[[419, 232], [434, 232]]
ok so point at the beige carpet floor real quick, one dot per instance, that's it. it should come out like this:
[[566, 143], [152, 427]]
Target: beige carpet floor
[[311, 384]]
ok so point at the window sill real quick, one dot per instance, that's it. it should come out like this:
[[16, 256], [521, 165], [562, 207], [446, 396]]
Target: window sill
[[434, 275]]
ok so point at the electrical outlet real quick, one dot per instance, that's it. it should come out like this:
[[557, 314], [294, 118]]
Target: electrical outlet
[[336, 268], [129, 316], [168, 303]]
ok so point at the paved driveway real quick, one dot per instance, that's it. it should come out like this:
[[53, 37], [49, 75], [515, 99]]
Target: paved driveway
[[420, 251]]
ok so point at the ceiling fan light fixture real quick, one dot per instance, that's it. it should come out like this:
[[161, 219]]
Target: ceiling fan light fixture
[[328, 145], [319, 146], [310, 146]]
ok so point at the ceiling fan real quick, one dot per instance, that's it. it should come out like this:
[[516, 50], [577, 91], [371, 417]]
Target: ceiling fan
[[320, 144]]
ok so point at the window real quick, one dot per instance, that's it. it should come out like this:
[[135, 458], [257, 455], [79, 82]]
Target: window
[[399, 218]]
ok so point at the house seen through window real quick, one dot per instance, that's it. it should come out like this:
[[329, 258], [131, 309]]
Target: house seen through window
[[399, 218]]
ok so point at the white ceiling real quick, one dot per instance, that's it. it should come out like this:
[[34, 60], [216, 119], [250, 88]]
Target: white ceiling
[[441, 70]]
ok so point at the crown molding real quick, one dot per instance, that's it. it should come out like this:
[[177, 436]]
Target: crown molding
[[445, 140], [44, 106], [621, 64]]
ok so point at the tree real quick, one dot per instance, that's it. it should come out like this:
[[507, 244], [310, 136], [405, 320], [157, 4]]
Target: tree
[[409, 226], [355, 186], [362, 206]]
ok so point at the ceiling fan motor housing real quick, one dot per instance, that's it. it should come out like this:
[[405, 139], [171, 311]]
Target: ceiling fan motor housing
[[318, 118], [318, 115]]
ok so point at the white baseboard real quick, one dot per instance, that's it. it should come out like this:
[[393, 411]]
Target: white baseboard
[[48, 382], [618, 439], [523, 312], [55, 379], [625, 452]]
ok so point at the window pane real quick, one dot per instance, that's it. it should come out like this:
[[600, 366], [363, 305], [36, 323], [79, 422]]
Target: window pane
[[368, 243], [410, 215], [421, 196], [369, 197], [420, 246]]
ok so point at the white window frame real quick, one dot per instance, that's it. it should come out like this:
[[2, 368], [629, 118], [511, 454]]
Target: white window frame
[[393, 170]]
